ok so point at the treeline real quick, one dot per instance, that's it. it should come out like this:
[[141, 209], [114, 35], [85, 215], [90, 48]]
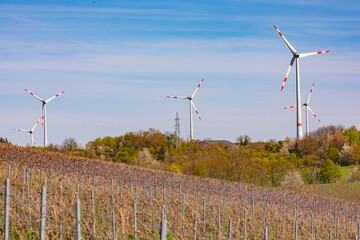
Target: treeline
[[314, 159]]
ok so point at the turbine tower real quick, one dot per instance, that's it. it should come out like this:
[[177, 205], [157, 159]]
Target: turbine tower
[[177, 130], [306, 104], [296, 56], [32, 142], [44, 102], [192, 105]]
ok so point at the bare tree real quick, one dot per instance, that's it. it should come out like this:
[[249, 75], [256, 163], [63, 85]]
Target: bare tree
[[243, 140], [69, 144]]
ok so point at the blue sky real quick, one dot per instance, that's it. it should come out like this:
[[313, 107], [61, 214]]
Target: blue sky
[[118, 60]]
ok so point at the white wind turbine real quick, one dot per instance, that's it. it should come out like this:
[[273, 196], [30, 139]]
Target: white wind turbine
[[32, 142], [191, 106], [306, 104], [44, 102], [296, 56]]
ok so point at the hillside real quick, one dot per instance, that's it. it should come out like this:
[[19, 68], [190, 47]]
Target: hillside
[[126, 201]]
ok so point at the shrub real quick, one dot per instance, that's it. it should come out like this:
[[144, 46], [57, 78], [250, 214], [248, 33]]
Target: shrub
[[127, 156], [292, 180], [174, 168], [309, 174], [346, 155], [330, 172]]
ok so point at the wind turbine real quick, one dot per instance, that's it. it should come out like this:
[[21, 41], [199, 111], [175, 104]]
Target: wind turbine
[[44, 102], [306, 104], [32, 142], [296, 56], [192, 105]]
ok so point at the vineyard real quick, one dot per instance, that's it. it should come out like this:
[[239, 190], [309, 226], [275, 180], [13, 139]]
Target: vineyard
[[47, 195]]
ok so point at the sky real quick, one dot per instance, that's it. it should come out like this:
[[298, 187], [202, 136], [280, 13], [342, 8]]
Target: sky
[[118, 60]]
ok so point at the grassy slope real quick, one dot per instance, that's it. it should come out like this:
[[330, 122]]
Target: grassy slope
[[341, 190]]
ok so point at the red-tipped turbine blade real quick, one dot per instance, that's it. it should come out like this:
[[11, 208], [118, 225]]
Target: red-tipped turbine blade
[[313, 113], [195, 109], [21, 130], [287, 73], [308, 99], [197, 88], [35, 95], [54, 97], [177, 97], [289, 107], [292, 49], [312, 53], [36, 124]]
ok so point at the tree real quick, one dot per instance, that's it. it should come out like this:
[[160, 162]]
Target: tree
[[306, 146], [346, 155], [273, 146], [243, 140], [69, 144], [352, 136], [330, 172], [4, 140], [324, 132], [334, 154]]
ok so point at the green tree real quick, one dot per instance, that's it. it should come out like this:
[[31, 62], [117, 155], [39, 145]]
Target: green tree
[[126, 156], [273, 146], [352, 136], [334, 154], [330, 172]]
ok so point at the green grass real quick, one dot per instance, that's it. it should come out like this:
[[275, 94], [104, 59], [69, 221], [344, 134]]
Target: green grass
[[347, 171], [341, 189]]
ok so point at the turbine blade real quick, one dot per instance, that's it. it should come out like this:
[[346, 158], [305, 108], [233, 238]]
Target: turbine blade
[[195, 109], [21, 130], [312, 53], [42, 100], [32, 140], [292, 49], [287, 73], [289, 107], [54, 97], [177, 97], [36, 124], [197, 88], [308, 99], [313, 113]]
